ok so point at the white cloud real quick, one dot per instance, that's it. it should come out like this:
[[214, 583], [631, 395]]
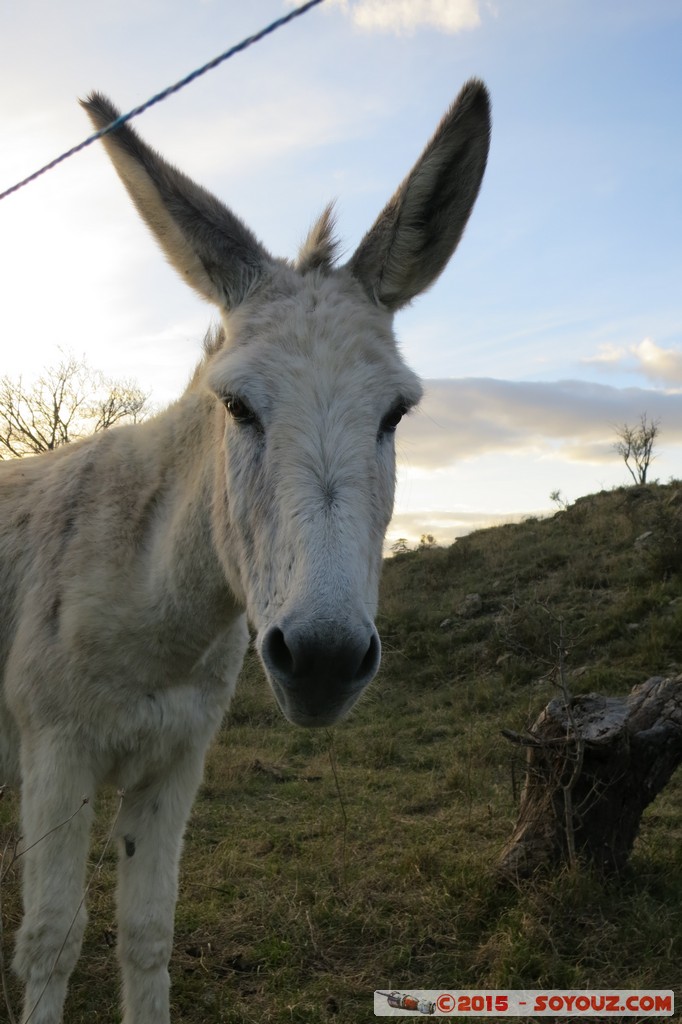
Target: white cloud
[[656, 363], [659, 364], [608, 355], [405, 16]]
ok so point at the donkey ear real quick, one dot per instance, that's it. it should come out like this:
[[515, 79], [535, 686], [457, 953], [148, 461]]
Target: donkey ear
[[210, 247], [419, 228]]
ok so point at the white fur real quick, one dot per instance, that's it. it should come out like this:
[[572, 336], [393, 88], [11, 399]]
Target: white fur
[[130, 561]]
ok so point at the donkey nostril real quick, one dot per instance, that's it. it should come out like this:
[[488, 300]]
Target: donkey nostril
[[297, 659], [318, 674], [370, 662], [277, 651]]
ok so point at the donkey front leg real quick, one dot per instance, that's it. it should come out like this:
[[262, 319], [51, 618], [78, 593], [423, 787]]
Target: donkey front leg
[[150, 830], [54, 846]]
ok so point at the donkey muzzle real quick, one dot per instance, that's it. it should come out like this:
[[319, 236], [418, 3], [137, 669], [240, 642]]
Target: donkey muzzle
[[317, 674]]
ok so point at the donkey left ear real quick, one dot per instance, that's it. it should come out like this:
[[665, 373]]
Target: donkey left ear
[[419, 229], [205, 242]]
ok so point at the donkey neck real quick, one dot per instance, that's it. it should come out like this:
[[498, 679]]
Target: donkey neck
[[185, 573]]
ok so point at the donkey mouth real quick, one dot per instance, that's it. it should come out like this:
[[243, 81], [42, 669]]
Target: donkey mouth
[[318, 677]]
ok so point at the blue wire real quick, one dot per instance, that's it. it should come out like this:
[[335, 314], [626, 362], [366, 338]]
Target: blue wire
[[166, 92]]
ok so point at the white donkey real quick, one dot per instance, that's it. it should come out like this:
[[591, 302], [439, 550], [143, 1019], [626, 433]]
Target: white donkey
[[130, 561]]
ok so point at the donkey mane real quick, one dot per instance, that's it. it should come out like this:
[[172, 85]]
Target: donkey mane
[[320, 249], [214, 339]]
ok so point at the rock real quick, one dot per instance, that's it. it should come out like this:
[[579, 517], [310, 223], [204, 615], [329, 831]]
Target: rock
[[470, 606]]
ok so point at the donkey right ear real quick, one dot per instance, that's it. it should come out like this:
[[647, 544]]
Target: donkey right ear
[[210, 247], [420, 227]]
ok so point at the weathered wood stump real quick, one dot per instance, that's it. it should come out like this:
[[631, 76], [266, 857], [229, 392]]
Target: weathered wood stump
[[593, 765]]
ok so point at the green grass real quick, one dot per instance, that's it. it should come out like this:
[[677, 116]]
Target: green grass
[[319, 866]]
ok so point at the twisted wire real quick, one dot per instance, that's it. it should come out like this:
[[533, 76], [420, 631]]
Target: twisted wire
[[243, 45]]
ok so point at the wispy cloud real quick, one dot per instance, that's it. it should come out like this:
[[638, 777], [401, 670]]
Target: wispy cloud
[[654, 362], [261, 135], [406, 16]]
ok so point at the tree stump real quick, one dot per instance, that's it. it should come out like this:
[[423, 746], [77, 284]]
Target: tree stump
[[593, 765]]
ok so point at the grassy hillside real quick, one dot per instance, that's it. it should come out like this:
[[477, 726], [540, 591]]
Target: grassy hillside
[[322, 865]]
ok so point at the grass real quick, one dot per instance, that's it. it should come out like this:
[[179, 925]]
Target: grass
[[319, 866]]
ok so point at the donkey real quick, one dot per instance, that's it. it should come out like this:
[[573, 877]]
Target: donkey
[[131, 561]]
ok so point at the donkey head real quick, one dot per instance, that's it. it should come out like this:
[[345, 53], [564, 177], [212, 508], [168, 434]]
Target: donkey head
[[308, 388]]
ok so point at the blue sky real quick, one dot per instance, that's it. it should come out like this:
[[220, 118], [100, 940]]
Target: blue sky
[[559, 316]]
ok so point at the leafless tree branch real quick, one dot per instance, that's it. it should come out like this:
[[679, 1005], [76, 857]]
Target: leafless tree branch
[[68, 401], [635, 446]]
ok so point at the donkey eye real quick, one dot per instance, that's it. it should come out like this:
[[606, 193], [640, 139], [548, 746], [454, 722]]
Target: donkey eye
[[239, 410], [393, 418]]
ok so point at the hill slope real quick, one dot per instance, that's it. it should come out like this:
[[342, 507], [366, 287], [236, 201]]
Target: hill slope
[[610, 566]]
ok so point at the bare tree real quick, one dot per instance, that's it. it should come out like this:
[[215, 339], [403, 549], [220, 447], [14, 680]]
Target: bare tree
[[68, 401], [119, 400], [593, 765], [635, 445]]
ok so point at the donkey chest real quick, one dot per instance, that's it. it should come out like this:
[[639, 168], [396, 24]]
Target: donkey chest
[[150, 724], [134, 694]]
